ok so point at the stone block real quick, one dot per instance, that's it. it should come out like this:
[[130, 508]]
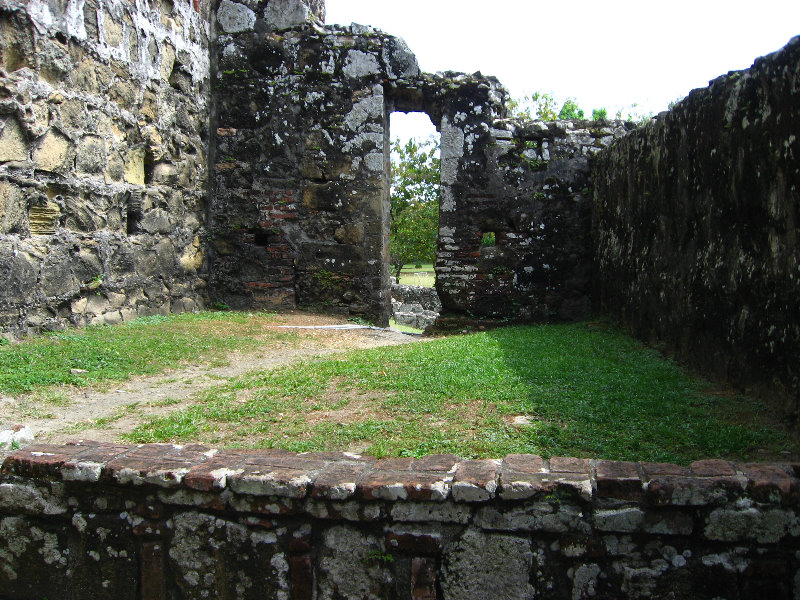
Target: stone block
[[91, 157], [550, 517], [621, 520], [13, 207], [692, 491], [13, 145], [350, 565], [482, 566], [234, 17], [283, 14], [54, 153], [133, 166], [765, 526], [424, 512]]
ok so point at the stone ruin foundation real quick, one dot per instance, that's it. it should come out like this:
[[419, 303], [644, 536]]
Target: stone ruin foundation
[[161, 157]]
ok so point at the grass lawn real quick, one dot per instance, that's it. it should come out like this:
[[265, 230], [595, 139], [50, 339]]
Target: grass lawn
[[144, 346], [575, 390], [423, 276]]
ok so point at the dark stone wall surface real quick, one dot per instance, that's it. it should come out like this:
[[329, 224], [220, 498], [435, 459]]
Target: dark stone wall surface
[[696, 223], [181, 522], [529, 184], [300, 209], [103, 160]]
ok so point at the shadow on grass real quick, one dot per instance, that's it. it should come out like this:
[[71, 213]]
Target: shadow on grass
[[596, 392]]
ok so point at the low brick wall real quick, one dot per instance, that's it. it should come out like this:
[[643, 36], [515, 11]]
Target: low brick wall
[[161, 521]]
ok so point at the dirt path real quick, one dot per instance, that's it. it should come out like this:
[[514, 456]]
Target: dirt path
[[103, 414]]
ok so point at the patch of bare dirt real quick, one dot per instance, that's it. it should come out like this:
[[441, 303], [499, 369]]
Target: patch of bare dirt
[[69, 414]]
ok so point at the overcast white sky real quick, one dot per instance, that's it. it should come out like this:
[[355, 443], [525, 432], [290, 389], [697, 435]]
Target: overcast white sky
[[608, 54]]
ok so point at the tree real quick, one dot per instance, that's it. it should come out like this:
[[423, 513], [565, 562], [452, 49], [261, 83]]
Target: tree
[[538, 106], [570, 110], [414, 202]]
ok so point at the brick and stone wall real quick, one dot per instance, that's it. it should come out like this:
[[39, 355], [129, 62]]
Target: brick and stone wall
[[300, 210], [528, 184], [103, 160], [696, 226], [161, 521]]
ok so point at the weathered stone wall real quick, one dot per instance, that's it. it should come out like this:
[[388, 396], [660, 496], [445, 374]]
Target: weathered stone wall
[[529, 184], [300, 213], [415, 306], [119, 522], [697, 217], [103, 160]]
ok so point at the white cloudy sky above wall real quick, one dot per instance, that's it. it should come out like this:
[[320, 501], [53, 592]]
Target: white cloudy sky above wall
[[608, 54]]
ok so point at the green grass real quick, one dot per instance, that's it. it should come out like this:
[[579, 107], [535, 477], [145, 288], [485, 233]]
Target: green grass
[[144, 346], [588, 391], [423, 276]]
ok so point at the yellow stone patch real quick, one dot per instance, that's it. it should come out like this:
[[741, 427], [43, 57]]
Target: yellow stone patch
[[134, 166], [44, 218], [12, 141], [53, 152]]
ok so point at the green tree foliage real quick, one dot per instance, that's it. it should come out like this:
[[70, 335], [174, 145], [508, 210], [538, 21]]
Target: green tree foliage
[[537, 106], [570, 110], [541, 106], [414, 202]]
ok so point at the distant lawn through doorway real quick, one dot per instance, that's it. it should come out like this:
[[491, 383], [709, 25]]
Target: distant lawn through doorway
[[419, 275]]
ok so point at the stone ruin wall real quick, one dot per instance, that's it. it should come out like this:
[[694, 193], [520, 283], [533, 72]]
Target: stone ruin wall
[[160, 521], [697, 217], [529, 184], [103, 160]]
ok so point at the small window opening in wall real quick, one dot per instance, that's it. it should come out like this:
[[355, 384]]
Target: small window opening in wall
[[489, 239], [134, 214], [261, 237]]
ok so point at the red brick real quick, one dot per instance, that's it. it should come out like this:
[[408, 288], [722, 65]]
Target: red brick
[[152, 583], [423, 579], [394, 464], [766, 483], [435, 462], [338, 481], [652, 470], [519, 486], [300, 544], [41, 461], [561, 464], [163, 465], [267, 480], [301, 576], [475, 480], [404, 485], [523, 463], [618, 480], [713, 468]]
